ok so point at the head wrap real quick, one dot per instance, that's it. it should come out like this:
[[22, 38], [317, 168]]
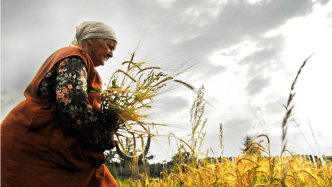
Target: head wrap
[[92, 29]]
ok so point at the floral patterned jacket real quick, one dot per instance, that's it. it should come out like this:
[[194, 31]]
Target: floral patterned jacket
[[68, 79]]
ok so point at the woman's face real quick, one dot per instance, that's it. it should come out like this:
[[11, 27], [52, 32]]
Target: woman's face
[[100, 50]]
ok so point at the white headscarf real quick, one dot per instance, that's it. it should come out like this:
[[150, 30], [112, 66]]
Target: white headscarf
[[92, 29]]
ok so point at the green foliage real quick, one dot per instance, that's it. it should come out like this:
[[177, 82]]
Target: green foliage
[[97, 90], [183, 157], [129, 147], [116, 176]]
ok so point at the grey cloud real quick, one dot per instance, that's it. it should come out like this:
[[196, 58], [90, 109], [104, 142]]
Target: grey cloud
[[231, 53], [230, 28], [26, 24], [238, 126], [236, 21], [6, 106], [216, 70], [173, 104], [323, 2], [277, 106], [5, 102], [4, 91], [267, 57], [257, 84], [207, 70]]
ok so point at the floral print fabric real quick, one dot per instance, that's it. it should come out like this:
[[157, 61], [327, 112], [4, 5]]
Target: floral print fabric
[[68, 79]]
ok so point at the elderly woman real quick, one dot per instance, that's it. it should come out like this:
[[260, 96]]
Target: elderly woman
[[57, 135]]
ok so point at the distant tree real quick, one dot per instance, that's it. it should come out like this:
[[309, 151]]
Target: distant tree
[[148, 158], [129, 146], [129, 150], [183, 156]]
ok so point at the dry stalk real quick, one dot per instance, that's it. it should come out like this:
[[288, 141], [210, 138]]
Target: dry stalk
[[289, 109]]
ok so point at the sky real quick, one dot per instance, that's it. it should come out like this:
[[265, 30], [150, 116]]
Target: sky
[[246, 53]]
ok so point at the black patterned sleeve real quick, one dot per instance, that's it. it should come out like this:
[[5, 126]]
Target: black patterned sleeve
[[74, 107]]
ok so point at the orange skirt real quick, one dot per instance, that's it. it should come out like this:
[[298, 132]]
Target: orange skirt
[[34, 152]]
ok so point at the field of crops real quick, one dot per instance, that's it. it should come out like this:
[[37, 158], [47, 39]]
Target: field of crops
[[245, 171]]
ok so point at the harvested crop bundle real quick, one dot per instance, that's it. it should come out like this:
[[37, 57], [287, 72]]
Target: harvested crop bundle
[[128, 93]]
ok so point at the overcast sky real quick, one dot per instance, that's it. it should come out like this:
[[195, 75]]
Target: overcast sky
[[248, 53]]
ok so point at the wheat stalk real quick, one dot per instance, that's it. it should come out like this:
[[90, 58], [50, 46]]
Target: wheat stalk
[[221, 132], [289, 109]]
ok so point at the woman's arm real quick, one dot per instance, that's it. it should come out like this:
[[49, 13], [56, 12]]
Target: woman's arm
[[74, 107]]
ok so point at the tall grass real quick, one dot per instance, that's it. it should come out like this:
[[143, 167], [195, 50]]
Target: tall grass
[[221, 138]]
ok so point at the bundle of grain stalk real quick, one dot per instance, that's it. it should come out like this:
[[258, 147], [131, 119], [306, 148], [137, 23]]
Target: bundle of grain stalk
[[128, 93]]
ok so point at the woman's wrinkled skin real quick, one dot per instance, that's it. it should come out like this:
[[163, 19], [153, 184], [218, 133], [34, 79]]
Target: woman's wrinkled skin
[[99, 50]]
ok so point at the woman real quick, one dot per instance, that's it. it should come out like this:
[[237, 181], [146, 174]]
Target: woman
[[57, 135]]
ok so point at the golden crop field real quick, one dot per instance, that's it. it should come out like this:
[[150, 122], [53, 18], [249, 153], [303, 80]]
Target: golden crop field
[[246, 171]]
